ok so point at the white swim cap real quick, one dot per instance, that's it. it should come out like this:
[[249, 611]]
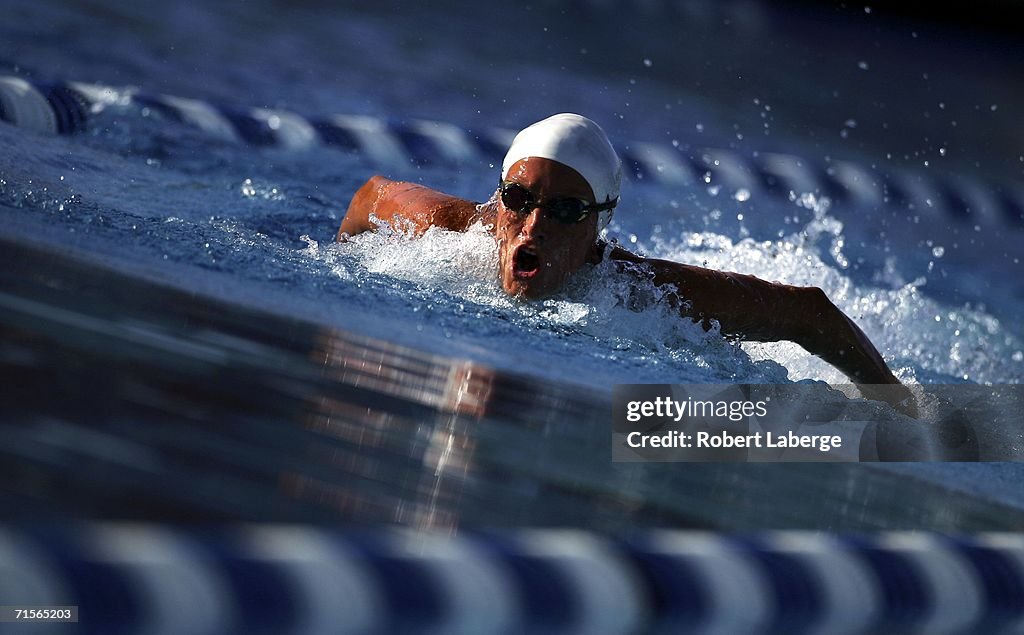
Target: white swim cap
[[580, 144]]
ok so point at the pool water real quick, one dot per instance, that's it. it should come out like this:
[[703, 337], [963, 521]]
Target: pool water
[[198, 211], [161, 201]]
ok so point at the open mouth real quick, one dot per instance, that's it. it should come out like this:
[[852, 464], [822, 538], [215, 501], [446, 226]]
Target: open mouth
[[525, 262]]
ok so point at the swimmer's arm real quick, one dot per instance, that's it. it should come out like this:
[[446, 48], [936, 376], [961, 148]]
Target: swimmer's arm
[[407, 207], [762, 311]]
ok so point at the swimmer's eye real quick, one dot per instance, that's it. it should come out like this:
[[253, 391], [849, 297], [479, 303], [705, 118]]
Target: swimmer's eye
[[520, 200]]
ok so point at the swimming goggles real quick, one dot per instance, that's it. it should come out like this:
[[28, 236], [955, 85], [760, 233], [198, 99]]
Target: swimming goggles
[[520, 200]]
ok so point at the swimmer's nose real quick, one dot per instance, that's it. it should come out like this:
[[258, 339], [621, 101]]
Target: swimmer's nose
[[535, 226]]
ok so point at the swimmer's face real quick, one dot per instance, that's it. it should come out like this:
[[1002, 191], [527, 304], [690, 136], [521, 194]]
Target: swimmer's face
[[536, 253]]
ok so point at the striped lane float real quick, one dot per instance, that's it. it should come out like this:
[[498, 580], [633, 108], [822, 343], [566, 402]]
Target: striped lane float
[[65, 108], [129, 578]]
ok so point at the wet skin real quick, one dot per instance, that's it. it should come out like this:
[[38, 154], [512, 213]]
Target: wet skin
[[537, 255]]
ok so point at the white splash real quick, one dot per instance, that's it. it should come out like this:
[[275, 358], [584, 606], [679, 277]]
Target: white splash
[[923, 340], [605, 317]]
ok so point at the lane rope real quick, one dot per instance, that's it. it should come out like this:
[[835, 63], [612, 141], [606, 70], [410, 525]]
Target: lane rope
[[138, 578], [66, 107]]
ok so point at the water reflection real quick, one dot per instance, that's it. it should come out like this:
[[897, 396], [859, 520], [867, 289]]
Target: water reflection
[[428, 448], [430, 457], [125, 399]]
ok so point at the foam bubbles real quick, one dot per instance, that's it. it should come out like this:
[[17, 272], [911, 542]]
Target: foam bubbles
[[603, 325], [608, 328], [900, 320]]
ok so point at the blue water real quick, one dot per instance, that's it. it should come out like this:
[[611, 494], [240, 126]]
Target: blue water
[[202, 214], [162, 200]]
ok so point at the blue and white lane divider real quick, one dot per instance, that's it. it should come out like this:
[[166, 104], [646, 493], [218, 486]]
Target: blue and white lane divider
[[65, 108], [146, 579]]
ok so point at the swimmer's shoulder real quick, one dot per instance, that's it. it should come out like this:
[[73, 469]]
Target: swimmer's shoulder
[[459, 214], [656, 270], [604, 249], [404, 203]]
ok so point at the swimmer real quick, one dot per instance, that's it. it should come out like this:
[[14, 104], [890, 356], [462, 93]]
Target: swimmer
[[558, 188]]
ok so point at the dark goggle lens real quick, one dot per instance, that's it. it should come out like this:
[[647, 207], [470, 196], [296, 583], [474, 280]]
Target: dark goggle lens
[[567, 210], [518, 199]]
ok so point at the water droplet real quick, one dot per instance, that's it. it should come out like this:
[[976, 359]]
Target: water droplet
[[938, 251], [742, 195], [648, 63], [862, 65]]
